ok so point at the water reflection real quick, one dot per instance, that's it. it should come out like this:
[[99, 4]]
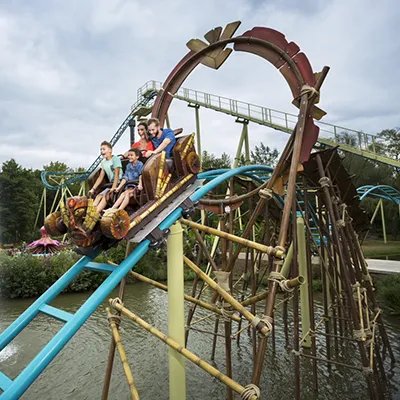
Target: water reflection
[[77, 372]]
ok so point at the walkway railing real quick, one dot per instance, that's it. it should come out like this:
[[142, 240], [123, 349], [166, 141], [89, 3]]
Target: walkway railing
[[362, 143]]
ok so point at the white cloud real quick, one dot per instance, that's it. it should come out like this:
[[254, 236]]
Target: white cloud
[[70, 71]]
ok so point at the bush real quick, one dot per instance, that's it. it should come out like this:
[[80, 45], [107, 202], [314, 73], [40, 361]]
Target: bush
[[388, 289], [28, 276]]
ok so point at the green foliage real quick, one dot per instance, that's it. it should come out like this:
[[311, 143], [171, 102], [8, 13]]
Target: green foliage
[[19, 202], [368, 172], [28, 276], [211, 161], [388, 289], [317, 285], [21, 191], [391, 139], [264, 155], [261, 155]]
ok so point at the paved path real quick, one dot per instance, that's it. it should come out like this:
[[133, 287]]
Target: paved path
[[374, 266], [383, 266]]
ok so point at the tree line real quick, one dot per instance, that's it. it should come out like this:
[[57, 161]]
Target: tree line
[[21, 188]]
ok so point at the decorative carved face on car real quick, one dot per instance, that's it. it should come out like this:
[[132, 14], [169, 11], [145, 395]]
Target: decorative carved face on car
[[76, 207], [74, 213]]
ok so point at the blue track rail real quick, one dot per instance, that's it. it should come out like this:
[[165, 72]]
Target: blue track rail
[[13, 389], [381, 191]]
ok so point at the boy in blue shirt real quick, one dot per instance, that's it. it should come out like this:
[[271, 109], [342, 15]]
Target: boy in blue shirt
[[110, 166], [133, 172], [162, 138]]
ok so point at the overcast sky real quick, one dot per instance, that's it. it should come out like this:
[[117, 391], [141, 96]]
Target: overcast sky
[[69, 70]]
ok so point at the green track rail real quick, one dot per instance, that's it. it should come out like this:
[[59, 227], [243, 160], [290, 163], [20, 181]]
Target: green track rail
[[366, 144]]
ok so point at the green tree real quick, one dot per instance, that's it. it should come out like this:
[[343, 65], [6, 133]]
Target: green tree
[[19, 201], [211, 161], [264, 155], [391, 139], [365, 171]]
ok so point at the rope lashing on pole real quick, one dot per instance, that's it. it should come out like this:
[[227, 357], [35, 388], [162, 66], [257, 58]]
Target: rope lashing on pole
[[341, 223], [287, 285], [114, 321], [260, 325], [116, 301], [324, 182], [266, 194], [277, 251], [268, 321], [250, 391], [113, 318], [310, 91]]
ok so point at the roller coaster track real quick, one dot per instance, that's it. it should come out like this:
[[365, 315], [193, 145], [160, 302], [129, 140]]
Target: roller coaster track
[[366, 145], [14, 388]]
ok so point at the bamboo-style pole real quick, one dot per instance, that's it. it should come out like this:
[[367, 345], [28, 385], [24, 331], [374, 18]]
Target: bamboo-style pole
[[370, 289], [198, 136], [244, 289], [296, 334], [383, 222], [204, 249], [227, 308], [305, 104], [245, 242], [176, 311], [304, 289], [325, 283], [111, 351], [310, 293], [345, 274], [192, 309], [254, 299], [182, 350], [122, 355], [191, 299], [283, 232], [255, 321]]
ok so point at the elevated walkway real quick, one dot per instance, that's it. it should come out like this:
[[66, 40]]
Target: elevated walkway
[[366, 145]]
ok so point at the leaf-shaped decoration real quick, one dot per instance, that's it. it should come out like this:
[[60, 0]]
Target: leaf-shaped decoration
[[213, 35], [214, 59]]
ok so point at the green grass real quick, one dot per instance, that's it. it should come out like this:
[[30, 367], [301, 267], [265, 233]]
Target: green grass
[[377, 248]]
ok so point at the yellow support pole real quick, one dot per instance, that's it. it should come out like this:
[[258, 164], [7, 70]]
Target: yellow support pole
[[196, 110], [304, 303], [191, 299], [245, 242], [250, 392], [176, 312], [383, 222], [288, 262], [247, 144]]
